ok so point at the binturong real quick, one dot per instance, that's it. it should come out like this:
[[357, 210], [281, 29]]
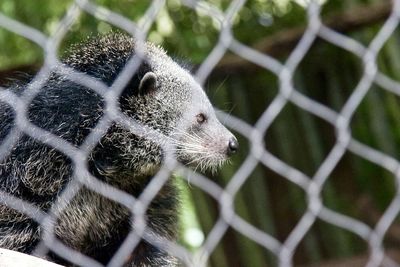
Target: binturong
[[160, 95]]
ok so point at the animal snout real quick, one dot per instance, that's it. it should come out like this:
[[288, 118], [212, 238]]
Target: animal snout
[[233, 146]]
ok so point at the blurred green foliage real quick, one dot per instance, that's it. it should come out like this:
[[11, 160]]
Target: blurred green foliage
[[188, 33]]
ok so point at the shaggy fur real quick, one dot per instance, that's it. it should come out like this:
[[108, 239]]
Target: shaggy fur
[[91, 223]]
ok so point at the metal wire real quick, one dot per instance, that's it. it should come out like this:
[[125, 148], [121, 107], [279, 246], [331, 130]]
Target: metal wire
[[287, 93]]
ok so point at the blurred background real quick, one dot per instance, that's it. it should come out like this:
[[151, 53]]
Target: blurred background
[[327, 74]]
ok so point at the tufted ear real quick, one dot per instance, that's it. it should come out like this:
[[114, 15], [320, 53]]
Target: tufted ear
[[148, 84]]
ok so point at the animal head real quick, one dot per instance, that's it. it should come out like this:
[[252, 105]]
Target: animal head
[[200, 139]]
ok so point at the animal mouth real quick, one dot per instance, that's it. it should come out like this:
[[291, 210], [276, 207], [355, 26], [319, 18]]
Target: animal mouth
[[204, 162], [204, 154]]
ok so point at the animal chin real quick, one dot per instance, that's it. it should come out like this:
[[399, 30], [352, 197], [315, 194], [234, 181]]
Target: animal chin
[[201, 156], [203, 162]]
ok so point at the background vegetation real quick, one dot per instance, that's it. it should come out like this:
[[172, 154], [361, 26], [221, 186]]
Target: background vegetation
[[327, 74]]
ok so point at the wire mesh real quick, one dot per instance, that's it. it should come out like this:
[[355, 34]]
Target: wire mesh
[[287, 93]]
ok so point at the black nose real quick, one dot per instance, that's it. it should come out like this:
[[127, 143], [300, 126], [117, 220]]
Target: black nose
[[233, 146]]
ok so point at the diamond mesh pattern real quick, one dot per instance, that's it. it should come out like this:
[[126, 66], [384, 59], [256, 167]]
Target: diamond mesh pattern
[[287, 93]]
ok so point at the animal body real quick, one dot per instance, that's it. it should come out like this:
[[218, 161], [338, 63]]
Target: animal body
[[161, 95]]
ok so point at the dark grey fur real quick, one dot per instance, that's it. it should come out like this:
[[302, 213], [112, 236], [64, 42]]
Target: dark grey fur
[[161, 95]]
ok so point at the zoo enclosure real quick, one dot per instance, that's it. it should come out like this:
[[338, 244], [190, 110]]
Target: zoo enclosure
[[280, 250]]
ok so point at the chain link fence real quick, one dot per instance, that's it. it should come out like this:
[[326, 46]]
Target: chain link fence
[[312, 186]]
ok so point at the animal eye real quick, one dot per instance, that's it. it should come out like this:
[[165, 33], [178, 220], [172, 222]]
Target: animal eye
[[201, 118]]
